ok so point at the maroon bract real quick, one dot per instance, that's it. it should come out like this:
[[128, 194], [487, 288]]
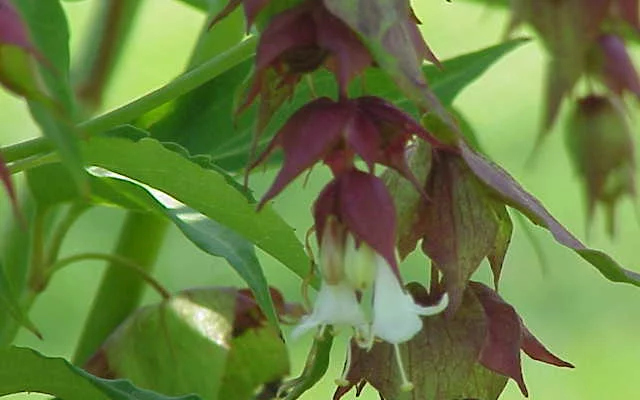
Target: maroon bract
[[336, 131], [389, 29], [612, 63], [467, 355], [601, 145], [461, 225], [628, 10], [568, 29], [298, 41], [360, 203], [12, 29]]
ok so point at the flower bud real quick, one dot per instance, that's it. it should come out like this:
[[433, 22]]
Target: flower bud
[[332, 252], [360, 264], [600, 143]]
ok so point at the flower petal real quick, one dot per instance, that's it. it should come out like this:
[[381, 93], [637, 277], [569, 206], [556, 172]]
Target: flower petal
[[395, 314], [335, 305]]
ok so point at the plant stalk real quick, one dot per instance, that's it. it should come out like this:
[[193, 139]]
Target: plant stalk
[[127, 113], [121, 289]]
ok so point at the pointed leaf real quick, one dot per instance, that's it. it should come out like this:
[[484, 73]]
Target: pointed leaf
[[206, 191], [305, 139], [508, 190], [25, 370], [501, 245], [536, 350], [408, 201], [501, 350], [459, 222], [209, 333], [389, 32], [167, 347], [207, 234]]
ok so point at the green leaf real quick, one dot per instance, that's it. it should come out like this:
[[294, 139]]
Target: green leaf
[[10, 303], [206, 191], [207, 234], [202, 5], [208, 341], [25, 370], [50, 34], [176, 347]]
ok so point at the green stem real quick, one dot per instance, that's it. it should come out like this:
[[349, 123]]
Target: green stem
[[127, 113], [140, 241], [113, 260]]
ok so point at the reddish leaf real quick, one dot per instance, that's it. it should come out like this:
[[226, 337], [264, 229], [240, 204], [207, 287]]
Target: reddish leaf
[[601, 145], [615, 66], [501, 245], [501, 350], [507, 336], [12, 29], [305, 139], [459, 221], [300, 40], [536, 350], [629, 10], [17, 69], [336, 131], [408, 202], [509, 191], [349, 57], [388, 28]]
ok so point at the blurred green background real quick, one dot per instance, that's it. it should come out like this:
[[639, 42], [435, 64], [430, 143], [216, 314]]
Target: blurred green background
[[578, 314]]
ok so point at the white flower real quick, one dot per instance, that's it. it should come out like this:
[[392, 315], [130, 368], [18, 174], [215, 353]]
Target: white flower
[[335, 305], [396, 316]]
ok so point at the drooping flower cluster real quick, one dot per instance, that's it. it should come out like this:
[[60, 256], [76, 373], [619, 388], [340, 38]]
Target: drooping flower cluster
[[356, 218], [587, 41], [355, 221]]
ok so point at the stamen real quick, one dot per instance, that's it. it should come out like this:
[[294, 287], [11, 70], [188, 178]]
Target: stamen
[[406, 385], [364, 337], [320, 333], [343, 381]]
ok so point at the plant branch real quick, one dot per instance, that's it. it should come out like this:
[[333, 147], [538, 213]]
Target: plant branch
[[127, 113], [114, 260]]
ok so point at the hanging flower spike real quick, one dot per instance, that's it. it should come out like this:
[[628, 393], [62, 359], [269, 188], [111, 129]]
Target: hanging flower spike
[[335, 131]]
